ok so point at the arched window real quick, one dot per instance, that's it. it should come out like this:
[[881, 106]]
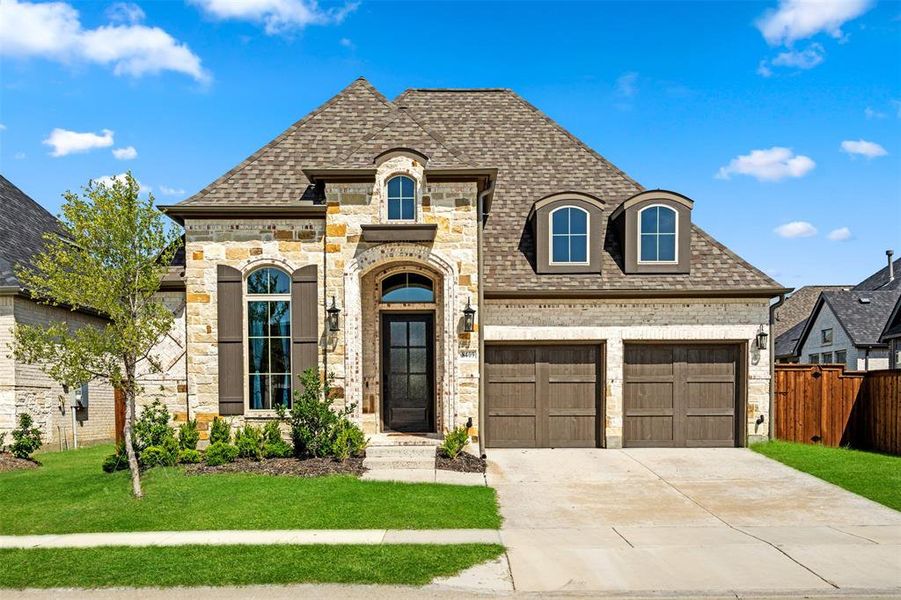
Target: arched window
[[569, 235], [407, 287], [401, 199], [657, 234], [269, 338]]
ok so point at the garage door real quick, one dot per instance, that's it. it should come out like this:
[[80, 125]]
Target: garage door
[[680, 395], [542, 396]]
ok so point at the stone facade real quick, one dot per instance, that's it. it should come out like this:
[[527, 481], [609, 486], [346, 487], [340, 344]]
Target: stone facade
[[26, 388], [349, 270], [165, 378], [619, 321]]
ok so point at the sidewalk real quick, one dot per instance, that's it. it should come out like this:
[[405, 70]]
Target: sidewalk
[[255, 537]]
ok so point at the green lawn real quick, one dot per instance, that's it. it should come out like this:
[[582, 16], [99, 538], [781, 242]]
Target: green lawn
[[236, 565], [874, 476], [71, 494]]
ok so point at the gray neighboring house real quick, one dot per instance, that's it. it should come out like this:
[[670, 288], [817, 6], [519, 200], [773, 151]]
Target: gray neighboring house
[[856, 327], [60, 415], [791, 317]]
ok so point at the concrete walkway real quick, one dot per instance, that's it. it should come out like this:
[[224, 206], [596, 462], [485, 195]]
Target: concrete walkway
[[687, 521], [254, 537]]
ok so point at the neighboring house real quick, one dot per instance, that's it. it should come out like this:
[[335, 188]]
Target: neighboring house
[[855, 327], [455, 256], [87, 412], [892, 336], [791, 317]]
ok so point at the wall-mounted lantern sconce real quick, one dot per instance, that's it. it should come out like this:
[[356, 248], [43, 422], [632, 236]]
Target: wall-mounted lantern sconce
[[333, 312], [761, 338], [469, 317]]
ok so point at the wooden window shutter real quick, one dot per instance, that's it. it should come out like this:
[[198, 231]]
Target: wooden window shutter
[[230, 315], [304, 321]]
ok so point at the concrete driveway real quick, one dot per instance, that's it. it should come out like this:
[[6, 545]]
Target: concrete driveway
[[695, 520]]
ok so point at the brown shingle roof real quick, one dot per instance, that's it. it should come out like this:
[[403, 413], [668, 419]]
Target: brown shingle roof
[[492, 128]]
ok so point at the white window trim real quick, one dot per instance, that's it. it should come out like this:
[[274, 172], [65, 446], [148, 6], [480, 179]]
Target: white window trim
[[550, 241], [246, 337], [676, 241], [415, 199]]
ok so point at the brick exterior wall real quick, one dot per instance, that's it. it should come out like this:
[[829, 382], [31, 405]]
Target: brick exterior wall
[[26, 388], [619, 321]]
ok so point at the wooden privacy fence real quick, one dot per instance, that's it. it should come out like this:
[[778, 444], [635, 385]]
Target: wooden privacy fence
[[825, 404]]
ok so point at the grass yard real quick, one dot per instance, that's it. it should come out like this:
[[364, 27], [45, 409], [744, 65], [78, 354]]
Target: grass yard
[[872, 475], [236, 565], [70, 494]]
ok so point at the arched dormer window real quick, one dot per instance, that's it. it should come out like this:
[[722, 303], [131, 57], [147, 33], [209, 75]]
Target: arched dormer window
[[569, 235], [657, 234], [407, 287], [401, 198], [268, 338]]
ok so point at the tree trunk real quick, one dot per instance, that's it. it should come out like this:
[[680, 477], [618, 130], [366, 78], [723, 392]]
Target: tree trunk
[[129, 389]]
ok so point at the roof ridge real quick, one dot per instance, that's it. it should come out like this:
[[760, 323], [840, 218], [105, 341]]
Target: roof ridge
[[358, 82], [462, 90], [438, 138]]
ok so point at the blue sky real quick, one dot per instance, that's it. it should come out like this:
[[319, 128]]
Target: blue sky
[[781, 119]]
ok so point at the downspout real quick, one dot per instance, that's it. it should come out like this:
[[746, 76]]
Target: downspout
[[773, 308], [481, 225]]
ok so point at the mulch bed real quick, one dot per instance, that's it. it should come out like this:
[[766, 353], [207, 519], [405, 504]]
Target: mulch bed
[[464, 463], [8, 462], [309, 467]]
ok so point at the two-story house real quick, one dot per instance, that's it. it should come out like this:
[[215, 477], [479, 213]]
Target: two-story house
[[456, 256]]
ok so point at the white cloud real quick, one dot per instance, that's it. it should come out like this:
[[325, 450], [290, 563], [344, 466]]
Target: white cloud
[[68, 142], [108, 180], [347, 43], [53, 31], [763, 69], [897, 105], [277, 16], [127, 153], [839, 235], [800, 19], [168, 191], [863, 148], [872, 113], [803, 59], [796, 229], [2, 127], [627, 84], [125, 12], [773, 164], [19, 156]]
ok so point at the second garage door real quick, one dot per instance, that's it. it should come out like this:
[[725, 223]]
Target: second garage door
[[680, 395], [543, 396]]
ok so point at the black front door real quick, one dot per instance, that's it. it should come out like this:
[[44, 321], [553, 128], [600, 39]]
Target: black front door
[[408, 371]]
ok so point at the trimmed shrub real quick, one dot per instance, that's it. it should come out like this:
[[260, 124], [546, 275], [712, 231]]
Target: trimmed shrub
[[220, 431], [315, 425], [2, 441], [272, 432], [249, 442], [189, 456], [152, 427], [279, 449], [454, 441], [349, 440], [188, 435], [165, 455], [118, 461], [26, 437], [220, 453]]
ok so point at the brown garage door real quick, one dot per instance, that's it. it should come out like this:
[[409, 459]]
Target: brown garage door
[[542, 396], [680, 395]]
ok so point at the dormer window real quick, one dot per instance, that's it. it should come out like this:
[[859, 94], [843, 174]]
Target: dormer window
[[569, 235], [657, 234], [401, 198], [654, 233]]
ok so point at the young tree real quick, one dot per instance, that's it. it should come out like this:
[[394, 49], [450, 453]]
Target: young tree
[[113, 250]]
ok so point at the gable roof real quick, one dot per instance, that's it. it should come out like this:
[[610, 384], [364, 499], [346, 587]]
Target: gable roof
[[486, 128], [862, 314], [23, 223], [893, 325], [792, 315]]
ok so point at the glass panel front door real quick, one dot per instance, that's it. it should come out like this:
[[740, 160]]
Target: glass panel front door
[[408, 344]]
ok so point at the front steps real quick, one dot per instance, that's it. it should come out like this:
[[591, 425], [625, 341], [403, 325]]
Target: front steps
[[403, 457]]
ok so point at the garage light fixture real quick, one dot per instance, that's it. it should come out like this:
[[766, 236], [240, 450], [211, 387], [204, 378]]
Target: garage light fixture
[[761, 339]]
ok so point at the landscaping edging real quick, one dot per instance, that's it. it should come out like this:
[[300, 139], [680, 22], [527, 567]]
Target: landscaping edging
[[309, 467]]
